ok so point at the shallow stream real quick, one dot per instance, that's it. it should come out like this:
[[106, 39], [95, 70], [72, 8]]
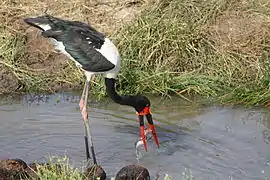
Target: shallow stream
[[211, 142]]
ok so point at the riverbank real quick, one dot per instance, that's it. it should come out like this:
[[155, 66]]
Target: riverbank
[[214, 49]]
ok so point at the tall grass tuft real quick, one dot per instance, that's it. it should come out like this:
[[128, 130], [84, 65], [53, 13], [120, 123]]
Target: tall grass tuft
[[59, 169]]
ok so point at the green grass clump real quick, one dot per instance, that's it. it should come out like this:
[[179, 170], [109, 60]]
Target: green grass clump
[[210, 48], [58, 169]]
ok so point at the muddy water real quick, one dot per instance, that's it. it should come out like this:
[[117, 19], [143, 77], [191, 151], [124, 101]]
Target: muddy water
[[211, 142]]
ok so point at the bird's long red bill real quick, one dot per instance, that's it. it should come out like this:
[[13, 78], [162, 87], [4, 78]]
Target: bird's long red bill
[[146, 112]]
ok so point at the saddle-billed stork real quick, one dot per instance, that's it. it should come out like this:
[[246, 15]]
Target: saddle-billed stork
[[94, 53]]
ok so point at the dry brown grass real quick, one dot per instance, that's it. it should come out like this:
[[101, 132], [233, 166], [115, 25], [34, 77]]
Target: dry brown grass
[[105, 15], [240, 32]]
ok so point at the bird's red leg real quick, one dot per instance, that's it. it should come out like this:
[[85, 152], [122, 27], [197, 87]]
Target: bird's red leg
[[142, 130], [88, 136], [81, 104], [151, 124], [83, 101]]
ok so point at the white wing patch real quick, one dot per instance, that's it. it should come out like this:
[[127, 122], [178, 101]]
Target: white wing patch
[[58, 45], [110, 52], [45, 27]]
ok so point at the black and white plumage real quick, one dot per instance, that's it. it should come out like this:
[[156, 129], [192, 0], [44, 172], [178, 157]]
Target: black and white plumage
[[88, 48], [94, 53]]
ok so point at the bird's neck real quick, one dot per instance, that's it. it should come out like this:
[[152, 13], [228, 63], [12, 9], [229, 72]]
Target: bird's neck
[[123, 100]]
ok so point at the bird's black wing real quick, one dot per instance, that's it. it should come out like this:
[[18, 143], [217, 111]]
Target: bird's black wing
[[81, 44], [81, 26]]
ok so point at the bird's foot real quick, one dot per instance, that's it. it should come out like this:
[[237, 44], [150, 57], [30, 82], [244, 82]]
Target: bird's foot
[[84, 114], [81, 104]]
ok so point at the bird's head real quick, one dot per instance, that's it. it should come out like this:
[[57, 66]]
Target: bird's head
[[141, 103], [44, 23], [142, 106]]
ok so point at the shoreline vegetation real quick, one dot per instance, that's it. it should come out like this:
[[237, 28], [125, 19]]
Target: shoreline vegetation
[[58, 168], [216, 49]]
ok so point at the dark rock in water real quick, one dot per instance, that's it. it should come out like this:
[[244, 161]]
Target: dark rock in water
[[13, 164], [133, 172], [95, 172], [17, 169], [13, 169], [11, 175]]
